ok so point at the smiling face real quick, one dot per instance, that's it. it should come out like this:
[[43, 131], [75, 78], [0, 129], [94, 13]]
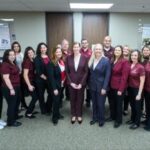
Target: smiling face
[[58, 53], [126, 51], [31, 54], [107, 42], [84, 44], [146, 52], [98, 50], [118, 52], [134, 56], [65, 45], [43, 49], [11, 56], [16, 48]]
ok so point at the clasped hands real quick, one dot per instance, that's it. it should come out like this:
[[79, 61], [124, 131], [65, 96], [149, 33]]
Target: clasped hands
[[76, 86]]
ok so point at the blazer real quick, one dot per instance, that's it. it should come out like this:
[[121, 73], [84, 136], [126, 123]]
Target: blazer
[[120, 74], [53, 76], [100, 76], [79, 76], [40, 68]]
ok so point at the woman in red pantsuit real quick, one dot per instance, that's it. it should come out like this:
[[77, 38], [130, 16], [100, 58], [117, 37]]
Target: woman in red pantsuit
[[76, 70], [118, 84]]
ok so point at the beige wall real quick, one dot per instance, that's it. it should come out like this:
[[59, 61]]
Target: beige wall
[[29, 27], [123, 28]]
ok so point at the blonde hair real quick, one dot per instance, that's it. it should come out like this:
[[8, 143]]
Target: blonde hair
[[92, 58]]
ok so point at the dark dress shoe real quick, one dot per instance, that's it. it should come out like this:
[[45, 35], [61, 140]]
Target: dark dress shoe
[[55, 122], [134, 126], [125, 113], [109, 119], [79, 121], [19, 117], [30, 116], [147, 128], [61, 117], [130, 122], [15, 124], [101, 124], [92, 122], [117, 125]]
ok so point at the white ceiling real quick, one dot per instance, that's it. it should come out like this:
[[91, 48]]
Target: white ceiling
[[63, 5]]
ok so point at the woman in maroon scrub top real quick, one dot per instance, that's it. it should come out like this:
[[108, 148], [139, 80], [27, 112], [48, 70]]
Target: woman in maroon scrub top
[[11, 86], [118, 84], [146, 63], [135, 88], [29, 79]]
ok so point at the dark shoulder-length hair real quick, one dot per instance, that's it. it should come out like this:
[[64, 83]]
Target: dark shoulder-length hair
[[13, 44], [6, 55], [53, 56], [139, 55], [38, 50], [121, 56], [26, 52]]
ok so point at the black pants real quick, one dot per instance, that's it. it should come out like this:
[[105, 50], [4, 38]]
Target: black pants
[[13, 102], [33, 100], [22, 96], [44, 106], [126, 101], [1, 102], [135, 105], [116, 105], [88, 96], [56, 105], [147, 105]]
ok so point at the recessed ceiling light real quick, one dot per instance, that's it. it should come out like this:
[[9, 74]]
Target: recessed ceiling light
[[90, 6], [4, 19]]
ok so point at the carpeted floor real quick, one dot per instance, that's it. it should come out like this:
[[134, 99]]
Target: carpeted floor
[[40, 134]]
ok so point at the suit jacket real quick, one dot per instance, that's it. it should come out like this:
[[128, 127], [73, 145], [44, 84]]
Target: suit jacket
[[119, 75], [40, 68], [79, 76], [53, 76], [100, 76]]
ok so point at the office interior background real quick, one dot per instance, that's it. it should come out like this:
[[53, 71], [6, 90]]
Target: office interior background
[[50, 21], [33, 21]]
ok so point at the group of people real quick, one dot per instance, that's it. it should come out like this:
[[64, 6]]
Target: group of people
[[118, 73]]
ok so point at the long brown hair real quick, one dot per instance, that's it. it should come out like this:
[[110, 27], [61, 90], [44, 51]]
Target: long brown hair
[[114, 57], [53, 56]]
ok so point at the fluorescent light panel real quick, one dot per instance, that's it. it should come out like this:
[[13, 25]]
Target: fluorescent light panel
[[90, 6], [7, 19]]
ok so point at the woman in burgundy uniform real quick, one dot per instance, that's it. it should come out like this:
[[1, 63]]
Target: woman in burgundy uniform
[[41, 60], [126, 54], [19, 59], [135, 88], [146, 63], [118, 84], [76, 71], [29, 79], [11, 86]]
